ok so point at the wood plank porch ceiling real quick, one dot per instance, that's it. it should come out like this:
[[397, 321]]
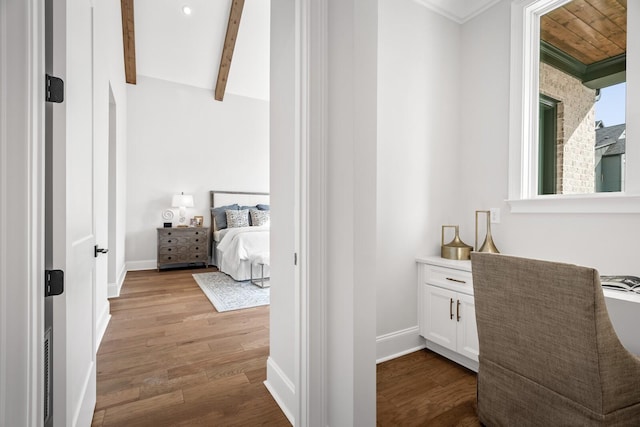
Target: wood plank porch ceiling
[[590, 31]]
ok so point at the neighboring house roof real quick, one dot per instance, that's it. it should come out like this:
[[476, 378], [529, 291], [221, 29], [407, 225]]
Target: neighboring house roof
[[611, 139]]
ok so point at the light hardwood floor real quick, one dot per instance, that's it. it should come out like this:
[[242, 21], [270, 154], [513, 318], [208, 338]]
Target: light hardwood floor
[[169, 359]]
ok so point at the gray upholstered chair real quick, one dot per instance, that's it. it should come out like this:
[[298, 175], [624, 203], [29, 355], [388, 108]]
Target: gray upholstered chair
[[549, 355]]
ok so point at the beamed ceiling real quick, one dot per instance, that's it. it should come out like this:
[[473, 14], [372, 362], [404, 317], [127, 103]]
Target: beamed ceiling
[[586, 38], [222, 45]]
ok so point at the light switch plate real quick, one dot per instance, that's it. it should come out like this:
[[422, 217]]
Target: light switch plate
[[495, 215]]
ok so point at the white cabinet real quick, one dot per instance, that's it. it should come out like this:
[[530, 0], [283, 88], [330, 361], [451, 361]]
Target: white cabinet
[[467, 329], [447, 317], [438, 318]]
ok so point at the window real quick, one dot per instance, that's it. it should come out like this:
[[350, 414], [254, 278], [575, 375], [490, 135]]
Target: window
[[547, 150], [555, 163]]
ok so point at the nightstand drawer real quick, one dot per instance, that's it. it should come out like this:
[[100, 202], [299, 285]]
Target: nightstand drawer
[[172, 258], [197, 239], [173, 249], [197, 257], [198, 249], [173, 240]]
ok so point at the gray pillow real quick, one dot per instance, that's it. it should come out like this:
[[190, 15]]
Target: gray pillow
[[263, 207], [220, 215]]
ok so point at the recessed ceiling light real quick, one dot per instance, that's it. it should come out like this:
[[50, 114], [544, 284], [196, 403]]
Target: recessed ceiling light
[[186, 10]]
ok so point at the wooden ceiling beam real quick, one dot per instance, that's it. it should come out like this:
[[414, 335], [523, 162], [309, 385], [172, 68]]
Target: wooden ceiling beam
[[129, 41], [229, 45]]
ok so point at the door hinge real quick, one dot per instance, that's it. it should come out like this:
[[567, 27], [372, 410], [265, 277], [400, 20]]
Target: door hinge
[[55, 89], [295, 258], [53, 282]]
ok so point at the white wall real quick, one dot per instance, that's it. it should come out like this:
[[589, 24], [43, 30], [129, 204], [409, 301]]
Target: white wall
[[351, 208], [181, 140], [596, 240], [418, 134], [281, 373], [108, 73], [342, 129], [21, 212]]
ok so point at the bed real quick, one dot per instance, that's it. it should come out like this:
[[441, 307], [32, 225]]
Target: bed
[[234, 244]]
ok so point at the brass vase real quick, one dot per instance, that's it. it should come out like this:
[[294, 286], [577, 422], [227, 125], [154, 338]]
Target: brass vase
[[455, 249], [488, 245]]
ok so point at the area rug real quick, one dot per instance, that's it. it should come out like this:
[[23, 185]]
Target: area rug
[[226, 294]]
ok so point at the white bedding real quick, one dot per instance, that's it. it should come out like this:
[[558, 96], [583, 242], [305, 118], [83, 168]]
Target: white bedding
[[236, 247]]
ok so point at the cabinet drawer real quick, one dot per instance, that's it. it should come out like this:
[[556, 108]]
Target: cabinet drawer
[[172, 258], [197, 257], [197, 239], [199, 249], [172, 249], [449, 278], [173, 240]]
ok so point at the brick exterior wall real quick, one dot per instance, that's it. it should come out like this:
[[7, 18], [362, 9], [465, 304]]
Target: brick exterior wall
[[575, 168]]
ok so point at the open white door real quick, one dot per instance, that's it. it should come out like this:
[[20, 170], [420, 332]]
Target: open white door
[[70, 220]]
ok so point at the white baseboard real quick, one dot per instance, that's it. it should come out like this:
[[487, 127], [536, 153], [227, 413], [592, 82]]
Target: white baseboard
[[102, 323], [398, 343], [281, 388], [113, 289], [452, 355], [150, 264]]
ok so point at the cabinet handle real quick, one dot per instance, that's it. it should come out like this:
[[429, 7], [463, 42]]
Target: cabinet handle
[[458, 310], [451, 308], [455, 280]]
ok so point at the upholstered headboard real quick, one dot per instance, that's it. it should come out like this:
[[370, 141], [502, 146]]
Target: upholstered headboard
[[242, 198]]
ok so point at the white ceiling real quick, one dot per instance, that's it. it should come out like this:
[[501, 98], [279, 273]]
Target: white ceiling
[[459, 11], [187, 49]]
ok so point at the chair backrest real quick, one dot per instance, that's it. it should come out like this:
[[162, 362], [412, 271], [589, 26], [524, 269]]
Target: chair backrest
[[547, 322]]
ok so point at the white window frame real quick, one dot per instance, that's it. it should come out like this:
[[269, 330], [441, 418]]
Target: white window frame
[[524, 112]]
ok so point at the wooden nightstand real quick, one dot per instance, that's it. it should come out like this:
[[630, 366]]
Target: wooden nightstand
[[183, 247]]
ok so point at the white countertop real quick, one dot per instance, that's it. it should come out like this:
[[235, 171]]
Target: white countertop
[[443, 262], [466, 266]]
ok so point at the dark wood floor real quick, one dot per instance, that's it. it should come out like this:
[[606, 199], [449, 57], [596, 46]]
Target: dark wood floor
[[425, 389], [169, 359]]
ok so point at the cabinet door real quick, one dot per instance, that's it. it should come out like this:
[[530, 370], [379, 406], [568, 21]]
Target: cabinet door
[[439, 307], [467, 329]]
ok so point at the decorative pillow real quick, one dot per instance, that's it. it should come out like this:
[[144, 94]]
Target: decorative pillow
[[238, 218], [220, 215], [262, 207], [249, 209], [259, 217]]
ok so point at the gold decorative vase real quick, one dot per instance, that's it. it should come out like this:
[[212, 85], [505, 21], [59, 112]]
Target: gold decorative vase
[[488, 245], [455, 249]]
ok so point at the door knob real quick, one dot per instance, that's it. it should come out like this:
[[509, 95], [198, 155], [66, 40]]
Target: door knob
[[98, 250]]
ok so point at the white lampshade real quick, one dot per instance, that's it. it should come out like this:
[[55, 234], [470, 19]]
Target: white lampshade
[[182, 201]]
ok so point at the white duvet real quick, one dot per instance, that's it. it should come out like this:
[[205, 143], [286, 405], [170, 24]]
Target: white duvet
[[236, 247]]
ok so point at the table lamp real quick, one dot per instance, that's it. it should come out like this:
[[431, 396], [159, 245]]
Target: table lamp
[[182, 201]]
